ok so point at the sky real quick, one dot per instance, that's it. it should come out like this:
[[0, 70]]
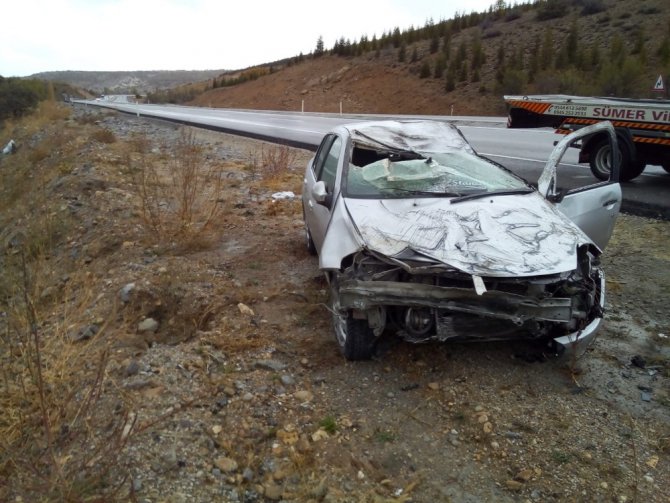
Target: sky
[[128, 35]]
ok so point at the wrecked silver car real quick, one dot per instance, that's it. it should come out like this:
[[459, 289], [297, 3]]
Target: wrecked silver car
[[420, 235]]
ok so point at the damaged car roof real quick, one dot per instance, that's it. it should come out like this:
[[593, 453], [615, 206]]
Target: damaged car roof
[[420, 136]]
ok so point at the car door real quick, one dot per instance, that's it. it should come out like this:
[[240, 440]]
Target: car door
[[593, 208], [323, 169]]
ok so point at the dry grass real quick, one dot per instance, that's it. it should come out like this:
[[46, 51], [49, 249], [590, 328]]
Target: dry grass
[[50, 111], [54, 446], [180, 198], [103, 136]]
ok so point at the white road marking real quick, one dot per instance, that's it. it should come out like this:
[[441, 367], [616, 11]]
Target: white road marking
[[505, 129], [529, 160]]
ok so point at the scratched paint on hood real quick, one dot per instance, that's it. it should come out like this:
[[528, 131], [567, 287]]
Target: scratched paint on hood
[[512, 235]]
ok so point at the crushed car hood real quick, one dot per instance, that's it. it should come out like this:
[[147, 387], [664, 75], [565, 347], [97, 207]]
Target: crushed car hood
[[511, 235]]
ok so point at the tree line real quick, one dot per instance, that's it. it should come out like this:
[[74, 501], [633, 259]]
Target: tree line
[[19, 97]]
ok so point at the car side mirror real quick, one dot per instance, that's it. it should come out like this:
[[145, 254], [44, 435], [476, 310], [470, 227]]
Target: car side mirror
[[319, 192], [558, 196]]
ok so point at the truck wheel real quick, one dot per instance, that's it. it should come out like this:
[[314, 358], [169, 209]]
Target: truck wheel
[[635, 169], [355, 338], [600, 162]]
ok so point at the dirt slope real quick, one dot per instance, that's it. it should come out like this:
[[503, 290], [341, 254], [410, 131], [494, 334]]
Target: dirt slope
[[363, 85], [380, 83]]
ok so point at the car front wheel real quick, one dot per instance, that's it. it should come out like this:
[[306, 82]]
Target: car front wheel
[[354, 337], [309, 242], [311, 247]]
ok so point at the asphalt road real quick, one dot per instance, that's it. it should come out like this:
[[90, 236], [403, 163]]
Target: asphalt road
[[524, 151]]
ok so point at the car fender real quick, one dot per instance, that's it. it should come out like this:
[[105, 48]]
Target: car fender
[[341, 240]]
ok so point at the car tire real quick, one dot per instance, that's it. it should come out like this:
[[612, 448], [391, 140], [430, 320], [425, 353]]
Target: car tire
[[309, 242], [599, 160], [354, 337], [311, 248]]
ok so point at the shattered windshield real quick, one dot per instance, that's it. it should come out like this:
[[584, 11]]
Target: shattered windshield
[[446, 174]]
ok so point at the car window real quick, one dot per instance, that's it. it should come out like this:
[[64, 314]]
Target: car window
[[456, 172], [328, 171], [322, 153]]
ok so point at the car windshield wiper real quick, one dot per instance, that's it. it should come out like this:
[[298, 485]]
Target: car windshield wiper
[[503, 192], [432, 193]]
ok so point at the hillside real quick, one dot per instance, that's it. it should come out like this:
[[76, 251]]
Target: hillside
[[588, 47]]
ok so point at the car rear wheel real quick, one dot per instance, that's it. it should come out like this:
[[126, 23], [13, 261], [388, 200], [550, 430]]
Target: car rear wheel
[[354, 337]]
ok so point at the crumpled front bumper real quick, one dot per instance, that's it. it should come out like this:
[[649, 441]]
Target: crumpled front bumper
[[575, 344]]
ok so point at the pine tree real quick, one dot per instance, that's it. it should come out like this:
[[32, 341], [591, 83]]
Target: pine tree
[[572, 42], [463, 74], [318, 51], [396, 38], [434, 44], [440, 65], [500, 57], [401, 53], [617, 51], [594, 57], [461, 53], [534, 65], [450, 83], [478, 56], [640, 48], [446, 44], [424, 73], [663, 50], [547, 51]]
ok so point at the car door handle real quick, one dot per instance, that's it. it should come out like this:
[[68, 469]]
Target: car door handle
[[610, 202]]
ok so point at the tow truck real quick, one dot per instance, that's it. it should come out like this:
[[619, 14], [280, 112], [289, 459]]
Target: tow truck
[[642, 128]]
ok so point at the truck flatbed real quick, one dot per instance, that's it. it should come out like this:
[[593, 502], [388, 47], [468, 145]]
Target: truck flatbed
[[643, 127]]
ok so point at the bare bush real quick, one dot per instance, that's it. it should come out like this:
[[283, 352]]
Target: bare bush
[[103, 136], [276, 160], [180, 199]]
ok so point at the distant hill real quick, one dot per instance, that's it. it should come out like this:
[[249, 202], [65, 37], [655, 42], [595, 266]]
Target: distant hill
[[140, 82]]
